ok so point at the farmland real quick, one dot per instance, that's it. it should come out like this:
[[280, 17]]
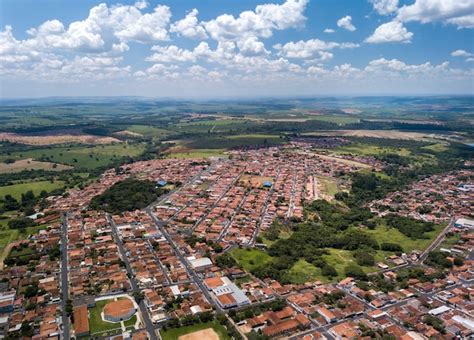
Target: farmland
[[17, 189], [88, 157]]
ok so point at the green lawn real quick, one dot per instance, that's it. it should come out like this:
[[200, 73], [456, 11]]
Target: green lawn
[[250, 258], [175, 333], [17, 189], [97, 325], [89, 157]]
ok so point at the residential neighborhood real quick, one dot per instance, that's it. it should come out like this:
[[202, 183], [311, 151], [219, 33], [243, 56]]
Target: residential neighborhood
[[137, 273]]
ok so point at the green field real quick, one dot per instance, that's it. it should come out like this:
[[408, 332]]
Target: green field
[[17, 189], [371, 150], [197, 153], [391, 235], [212, 142], [89, 157], [340, 120], [8, 236], [438, 147], [328, 185], [175, 333], [250, 258], [302, 272], [149, 131]]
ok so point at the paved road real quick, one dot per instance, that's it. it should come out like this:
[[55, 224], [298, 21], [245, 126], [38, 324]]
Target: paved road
[[64, 279], [439, 239], [177, 251], [144, 311]]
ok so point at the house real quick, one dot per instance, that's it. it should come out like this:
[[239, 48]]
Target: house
[[326, 314]]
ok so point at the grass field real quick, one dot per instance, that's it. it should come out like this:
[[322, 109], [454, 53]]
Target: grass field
[[383, 234], [81, 156], [17, 189], [197, 153], [8, 236], [328, 185], [233, 141], [29, 164], [370, 150], [149, 131], [250, 258], [175, 333], [340, 120], [302, 272], [438, 147]]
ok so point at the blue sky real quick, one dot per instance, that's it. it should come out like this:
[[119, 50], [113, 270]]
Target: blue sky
[[230, 48]]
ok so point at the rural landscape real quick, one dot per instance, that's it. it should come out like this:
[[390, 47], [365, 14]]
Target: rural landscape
[[236, 170]]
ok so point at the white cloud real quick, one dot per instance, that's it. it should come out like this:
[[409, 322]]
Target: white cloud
[[251, 45], [385, 7], [346, 23], [170, 54], [258, 23], [461, 53], [189, 27], [307, 48], [392, 31], [455, 12], [329, 30]]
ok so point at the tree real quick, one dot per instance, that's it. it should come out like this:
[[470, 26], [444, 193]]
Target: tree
[[329, 271], [356, 272], [10, 203]]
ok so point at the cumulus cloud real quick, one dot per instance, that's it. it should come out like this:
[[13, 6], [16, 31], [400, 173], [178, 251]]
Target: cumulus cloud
[[329, 30], [258, 23], [307, 48], [461, 53], [392, 31], [455, 12], [346, 23], [384, 7], [189, 27]]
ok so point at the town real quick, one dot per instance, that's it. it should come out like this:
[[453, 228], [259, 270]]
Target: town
[[142, 273]]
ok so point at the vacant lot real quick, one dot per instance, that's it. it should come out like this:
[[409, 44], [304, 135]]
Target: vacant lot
[[30, 164], [391, 235], [178, 333], [250, 258], [17, 189], [56, 139]]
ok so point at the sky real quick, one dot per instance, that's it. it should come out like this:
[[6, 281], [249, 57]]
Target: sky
[[235, 48]]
